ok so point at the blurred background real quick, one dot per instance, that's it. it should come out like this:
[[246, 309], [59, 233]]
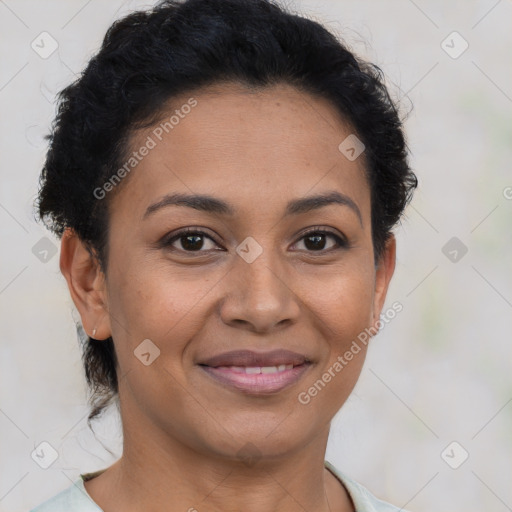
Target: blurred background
[[429, 424]]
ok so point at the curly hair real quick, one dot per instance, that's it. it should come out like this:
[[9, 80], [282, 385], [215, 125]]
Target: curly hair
[[149, 57]]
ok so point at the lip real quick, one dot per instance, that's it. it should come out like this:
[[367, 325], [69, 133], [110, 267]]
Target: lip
[[251, 358], [258, 383], [228, 370]]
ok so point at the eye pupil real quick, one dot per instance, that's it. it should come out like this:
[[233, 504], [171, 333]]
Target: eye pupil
[[192, 246], [316, 239]]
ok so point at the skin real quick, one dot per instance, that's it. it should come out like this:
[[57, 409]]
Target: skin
[[183, 430]]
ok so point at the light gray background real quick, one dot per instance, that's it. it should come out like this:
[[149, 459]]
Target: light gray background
[[438, 373]]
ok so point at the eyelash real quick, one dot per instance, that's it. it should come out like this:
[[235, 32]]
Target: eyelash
[[167, 242]]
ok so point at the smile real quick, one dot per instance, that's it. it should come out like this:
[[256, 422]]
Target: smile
[[257, 379]]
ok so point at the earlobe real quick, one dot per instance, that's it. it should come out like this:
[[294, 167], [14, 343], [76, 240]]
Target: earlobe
[[384, 273], [86, 283]]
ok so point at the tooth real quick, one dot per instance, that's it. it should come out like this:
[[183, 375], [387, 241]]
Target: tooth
[[281, 367], [288, 366], [252, 369], [269, 369], [238, 369]]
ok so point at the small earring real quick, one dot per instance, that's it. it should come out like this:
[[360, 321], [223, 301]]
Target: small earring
[[93, 332]]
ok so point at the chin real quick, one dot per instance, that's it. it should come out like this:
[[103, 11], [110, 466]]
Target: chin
[[259, 438]]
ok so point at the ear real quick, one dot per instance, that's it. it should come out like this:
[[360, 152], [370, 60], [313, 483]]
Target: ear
[[86, 283], [384, 272]]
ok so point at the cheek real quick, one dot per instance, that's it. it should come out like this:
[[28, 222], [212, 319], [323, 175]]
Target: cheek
[[147, 304], [343, 303], [343, 311]]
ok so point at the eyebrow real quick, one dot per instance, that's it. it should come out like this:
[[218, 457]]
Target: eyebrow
[[210, 204]]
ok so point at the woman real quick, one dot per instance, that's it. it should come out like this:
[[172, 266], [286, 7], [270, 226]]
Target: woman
[[224, 177]]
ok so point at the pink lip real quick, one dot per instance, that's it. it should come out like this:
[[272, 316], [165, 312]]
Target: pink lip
[[251, 358], [258, 383]]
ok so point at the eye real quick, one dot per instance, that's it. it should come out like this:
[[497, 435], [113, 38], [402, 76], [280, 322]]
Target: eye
[[193, 240], [190, 239], [315, 240]]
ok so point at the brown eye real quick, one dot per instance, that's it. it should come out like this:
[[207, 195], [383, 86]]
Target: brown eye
[[315, 241], [195, 241], [190, 240]]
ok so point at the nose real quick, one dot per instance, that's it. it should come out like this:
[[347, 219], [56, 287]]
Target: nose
[[259, 296]]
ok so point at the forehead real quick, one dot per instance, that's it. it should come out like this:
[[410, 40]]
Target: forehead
[[254, 146]]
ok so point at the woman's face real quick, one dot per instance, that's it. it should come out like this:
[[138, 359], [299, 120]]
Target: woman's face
[[251, 280]]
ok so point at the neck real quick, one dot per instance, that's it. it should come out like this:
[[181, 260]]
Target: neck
[[161, 473]]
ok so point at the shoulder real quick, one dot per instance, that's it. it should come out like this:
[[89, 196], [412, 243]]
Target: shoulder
[[364, 500], [74, 498]]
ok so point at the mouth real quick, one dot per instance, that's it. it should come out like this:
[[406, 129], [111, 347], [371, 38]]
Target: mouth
[[257, 373]]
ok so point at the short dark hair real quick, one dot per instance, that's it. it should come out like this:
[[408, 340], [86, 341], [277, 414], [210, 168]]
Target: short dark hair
[[151, 56]]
